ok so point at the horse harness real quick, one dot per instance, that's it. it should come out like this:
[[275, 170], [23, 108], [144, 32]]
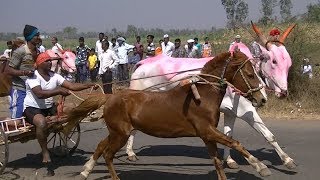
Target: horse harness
[[222, 83]]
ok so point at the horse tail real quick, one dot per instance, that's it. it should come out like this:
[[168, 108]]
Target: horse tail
[[78, 113]]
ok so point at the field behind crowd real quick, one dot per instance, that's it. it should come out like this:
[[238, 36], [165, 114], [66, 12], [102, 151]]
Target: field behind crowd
[[304, 93]]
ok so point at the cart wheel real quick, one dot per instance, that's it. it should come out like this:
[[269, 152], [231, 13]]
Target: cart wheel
[[4, 150], [61, 145]]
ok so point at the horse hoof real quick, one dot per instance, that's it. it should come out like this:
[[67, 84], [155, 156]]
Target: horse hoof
[[290, 164], [83, 176], [132, 158], [232, 165], [265, 172]]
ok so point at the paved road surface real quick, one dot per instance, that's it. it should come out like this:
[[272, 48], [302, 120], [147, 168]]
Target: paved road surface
[[179, 159]]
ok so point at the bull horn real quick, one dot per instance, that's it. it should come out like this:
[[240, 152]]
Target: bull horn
[[258, 32], [286, 33]]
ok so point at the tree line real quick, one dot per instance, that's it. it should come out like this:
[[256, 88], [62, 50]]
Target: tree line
[[236, 13]]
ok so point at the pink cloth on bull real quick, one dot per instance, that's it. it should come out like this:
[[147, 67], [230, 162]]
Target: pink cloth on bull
[[242, 47], [170, 65], [68, 60]]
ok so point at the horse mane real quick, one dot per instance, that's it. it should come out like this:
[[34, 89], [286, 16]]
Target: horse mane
[[219, 61], [214, 63]]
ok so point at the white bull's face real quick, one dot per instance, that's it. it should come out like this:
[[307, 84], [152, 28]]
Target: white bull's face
[[277, 63], [276, 69]]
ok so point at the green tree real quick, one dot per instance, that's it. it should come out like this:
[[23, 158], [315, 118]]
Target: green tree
[[236, 10], [132, 31], [285, 9], [313, 14], [267, 11], [114, 31], [242, 12], [70, 32]]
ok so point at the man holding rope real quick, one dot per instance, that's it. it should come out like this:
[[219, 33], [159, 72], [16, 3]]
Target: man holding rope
[[39, 103]]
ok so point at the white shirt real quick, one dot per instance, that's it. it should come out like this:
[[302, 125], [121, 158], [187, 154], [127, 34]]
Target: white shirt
[[192, 53], [109, 59], [307, 69], [7, 53], [56, 48], [41, 49], [122, 52], [31, 100], [98, 49], [167, 49]]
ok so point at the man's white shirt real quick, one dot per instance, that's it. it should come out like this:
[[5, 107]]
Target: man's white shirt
[[168, 48], [31, 100], [122, 52], [109, 59], [56, 48]]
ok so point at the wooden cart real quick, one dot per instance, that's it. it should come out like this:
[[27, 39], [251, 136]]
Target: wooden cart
[[58, 143]]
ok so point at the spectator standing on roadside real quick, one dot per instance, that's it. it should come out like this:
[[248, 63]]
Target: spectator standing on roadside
[[139, 46], [150, 49], [57, 49], [167, 46], [98, 48], [40, 47], [133, 59], [192, 50], [197, 44], [206, 48], [307, 68], [82, 60], [179, 51], [93, 65], [159, 48], [122, 52], [8, 51], [109, 61]]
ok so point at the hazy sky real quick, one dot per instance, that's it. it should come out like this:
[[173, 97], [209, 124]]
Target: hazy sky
[[102, 15]]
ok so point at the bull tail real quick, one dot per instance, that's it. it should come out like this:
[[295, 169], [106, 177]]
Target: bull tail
[[77, 114]]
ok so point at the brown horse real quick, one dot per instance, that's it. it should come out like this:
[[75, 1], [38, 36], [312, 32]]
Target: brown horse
[[5, 79], [175, 113]]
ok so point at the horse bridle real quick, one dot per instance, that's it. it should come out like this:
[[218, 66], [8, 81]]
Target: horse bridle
[[250, 89]]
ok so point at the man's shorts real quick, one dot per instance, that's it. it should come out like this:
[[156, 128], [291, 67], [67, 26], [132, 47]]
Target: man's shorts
[[16, 103], [30, 112]]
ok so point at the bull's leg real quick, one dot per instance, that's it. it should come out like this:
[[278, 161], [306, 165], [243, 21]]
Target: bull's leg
[[131, 155], [87, 168], [214, 135], [212, 149], [229, 121], [116, 142], [257, 123]]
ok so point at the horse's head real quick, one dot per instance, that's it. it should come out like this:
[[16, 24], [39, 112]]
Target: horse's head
[[276, 62], [238, 70]]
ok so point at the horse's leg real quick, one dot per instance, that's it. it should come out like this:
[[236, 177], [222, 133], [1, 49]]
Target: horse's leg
[[215, 135], [131, 155], [212, 149], [229, 120], [87, 168], [115, 142], [256, 122]]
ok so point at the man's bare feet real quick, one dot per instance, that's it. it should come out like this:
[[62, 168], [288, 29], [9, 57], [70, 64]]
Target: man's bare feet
[[46, 156]]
